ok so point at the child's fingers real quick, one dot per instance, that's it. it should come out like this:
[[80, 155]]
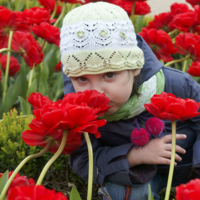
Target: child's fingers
[[166, 161], [167, 154], [168, 138], [168, 147]]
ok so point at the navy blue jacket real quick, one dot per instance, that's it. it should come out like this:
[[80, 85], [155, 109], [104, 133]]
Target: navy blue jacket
[[110, 163]]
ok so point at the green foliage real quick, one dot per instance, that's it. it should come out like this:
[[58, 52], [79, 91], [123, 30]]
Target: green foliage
[[141, 21], [3, 180], [14, 150], [74, 194], [150, 195]]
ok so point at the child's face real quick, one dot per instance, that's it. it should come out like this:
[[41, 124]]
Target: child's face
[[117, 86]]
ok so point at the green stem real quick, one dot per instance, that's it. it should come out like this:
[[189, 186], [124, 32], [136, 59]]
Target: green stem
[[172, 32], [132, 12], [61, 14], [12, 51], [133, 9], [27, 4], [45, 45], [21, 165], [90, 168], [30, 77], [19, 3], [7, 66], [171, 168], [54, 10], [185, 66], [55, 24], [55, 156], [179, 60]]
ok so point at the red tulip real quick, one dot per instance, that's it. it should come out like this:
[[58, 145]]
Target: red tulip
[[38, 135], [36, 15], [189, 191], [55, 117], [37, 100], [188, 43], [0, 75], [37, 192], [132, 1], [194, 69], [186, 22], [194, 2], [48, 32], [33, 52], [19, 181], [161, 21], [197, 12], [126, 5], [74, 118], [10, 20], [82, 2], [160, 43], [58, 67], [167, 106], [49, 5], [142, 8], [14, 66], [92, 98], [178, 8]]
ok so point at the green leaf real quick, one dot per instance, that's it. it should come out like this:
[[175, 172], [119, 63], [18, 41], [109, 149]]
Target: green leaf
[[11, 95], [23, 71], [139, 23], [57, 89], [32, 88], [3, 180], [24, 106], [51, 58], [150, 196], [44, 73], [74, 195]]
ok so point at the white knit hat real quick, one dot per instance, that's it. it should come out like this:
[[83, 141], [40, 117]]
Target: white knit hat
[[98, 38]]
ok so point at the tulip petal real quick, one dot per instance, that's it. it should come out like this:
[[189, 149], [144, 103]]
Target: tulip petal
[[33, 138], [152, 109], [175, 108], [168, 116], [50, 119]]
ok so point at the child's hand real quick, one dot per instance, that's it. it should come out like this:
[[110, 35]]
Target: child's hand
[[156, 151]]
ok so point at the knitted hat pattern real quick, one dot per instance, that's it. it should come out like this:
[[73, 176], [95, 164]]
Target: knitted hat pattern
[[98, 38]]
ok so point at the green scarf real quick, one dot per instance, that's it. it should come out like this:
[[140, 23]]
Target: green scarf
[[135, 105]]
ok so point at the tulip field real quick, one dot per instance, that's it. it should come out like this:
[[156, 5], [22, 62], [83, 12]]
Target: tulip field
[[31, 83]]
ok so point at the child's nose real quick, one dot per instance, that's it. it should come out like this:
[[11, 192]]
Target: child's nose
[[97, 88]]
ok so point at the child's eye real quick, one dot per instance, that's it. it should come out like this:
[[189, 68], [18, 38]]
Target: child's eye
[[110, 75], [82, 79]]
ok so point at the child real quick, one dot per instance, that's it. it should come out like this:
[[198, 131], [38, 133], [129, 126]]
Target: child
[[100, 51]]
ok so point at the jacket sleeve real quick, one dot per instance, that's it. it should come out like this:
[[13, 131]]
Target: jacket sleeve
[[110, 164], [105, 169], [182, 85], [194, 91]]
